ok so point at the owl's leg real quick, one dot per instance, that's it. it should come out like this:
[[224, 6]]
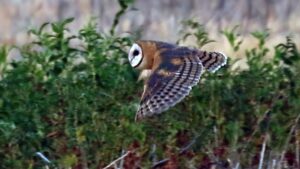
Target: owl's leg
[[145, 74]]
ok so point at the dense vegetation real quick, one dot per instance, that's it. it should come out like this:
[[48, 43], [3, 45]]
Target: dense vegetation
[[76, 106]]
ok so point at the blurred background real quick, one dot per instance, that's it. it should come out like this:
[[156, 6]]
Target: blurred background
[[158, 20], [62, 101]]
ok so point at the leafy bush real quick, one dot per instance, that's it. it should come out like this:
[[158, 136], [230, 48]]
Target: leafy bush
[[76, 106]]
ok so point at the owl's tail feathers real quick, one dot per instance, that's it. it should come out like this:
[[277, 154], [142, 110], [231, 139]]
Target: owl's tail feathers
[[212, 61]]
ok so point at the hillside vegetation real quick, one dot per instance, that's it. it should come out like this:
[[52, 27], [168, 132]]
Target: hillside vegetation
[[76, 106]]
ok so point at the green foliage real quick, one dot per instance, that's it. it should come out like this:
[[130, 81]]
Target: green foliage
[[261, 36], [124, 4], [3, 59], [76, 105], [194, 29], [58, 95], [232, 38]]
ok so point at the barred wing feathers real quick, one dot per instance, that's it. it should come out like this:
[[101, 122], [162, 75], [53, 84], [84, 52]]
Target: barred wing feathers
[[212, 61], [170, 82]]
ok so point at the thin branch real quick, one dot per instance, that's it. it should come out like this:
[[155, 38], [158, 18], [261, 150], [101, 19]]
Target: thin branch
[[182, 151], [43, 157], [256, 128], [237, 166], [115, 161], [266, 114], [287, 141], [274, 163], [160, 163], [152, 156], [262, 153], [297, 147], [122, 161]]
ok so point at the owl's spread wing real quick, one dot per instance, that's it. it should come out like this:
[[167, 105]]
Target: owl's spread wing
[[170, 83]]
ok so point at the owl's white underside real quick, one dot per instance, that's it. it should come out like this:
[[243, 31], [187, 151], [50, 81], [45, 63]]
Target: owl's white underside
[[145, 74]]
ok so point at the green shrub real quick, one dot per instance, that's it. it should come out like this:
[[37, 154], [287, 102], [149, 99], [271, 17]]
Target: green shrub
[[76, 105]]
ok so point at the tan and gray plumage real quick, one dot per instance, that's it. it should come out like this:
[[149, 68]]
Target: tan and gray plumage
[[169, 73]]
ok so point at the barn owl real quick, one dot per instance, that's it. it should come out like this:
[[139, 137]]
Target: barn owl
[[169, 73]]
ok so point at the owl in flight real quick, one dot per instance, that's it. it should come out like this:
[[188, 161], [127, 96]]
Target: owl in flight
[[169, 73]]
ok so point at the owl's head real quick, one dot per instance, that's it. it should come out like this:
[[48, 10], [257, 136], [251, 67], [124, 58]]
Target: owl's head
[[135, 55], [141, 54]]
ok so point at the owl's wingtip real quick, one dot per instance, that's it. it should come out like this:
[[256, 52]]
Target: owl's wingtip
[[221, 60]]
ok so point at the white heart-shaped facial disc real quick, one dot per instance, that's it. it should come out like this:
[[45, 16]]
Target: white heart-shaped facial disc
[[135, 55]]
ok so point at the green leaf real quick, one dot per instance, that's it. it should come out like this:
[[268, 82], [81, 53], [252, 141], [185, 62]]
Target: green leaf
[[232, 36]]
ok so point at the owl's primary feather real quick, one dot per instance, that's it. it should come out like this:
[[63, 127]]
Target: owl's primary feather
[[212, 61], [174, 71]]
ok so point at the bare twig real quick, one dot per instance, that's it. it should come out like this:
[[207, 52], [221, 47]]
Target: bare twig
[[216, 136], [266, 114], [297, 147], [182, 151], [122, 160], [256, 128], [274, 164], [153, 157], [160, 163], [237, 166], [115, 161], [287, 141], [43, 157], [262, 153]]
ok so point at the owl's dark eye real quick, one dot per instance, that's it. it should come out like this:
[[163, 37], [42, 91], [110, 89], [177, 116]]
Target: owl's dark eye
[[136, 52]]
